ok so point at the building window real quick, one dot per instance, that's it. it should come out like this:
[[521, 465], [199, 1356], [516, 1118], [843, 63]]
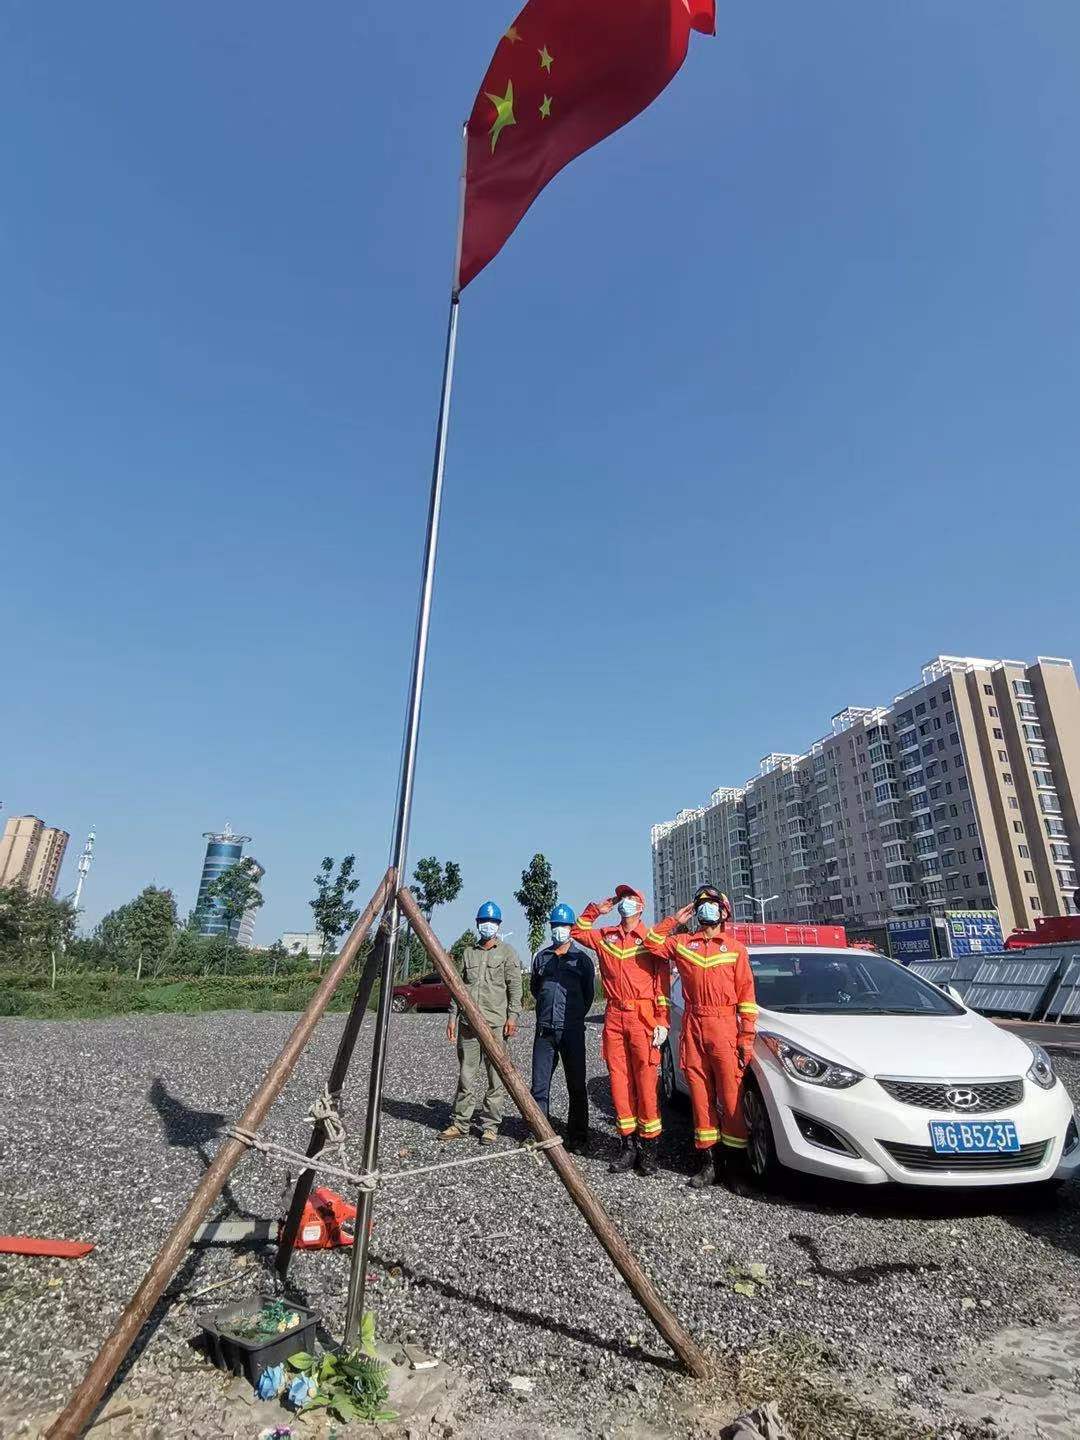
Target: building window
[[1027, 710], [1033, 732], [1055, 827], [981, 877], [1037, 755], [1067, 879], [1049, 804], [992, 710], [1018, 827], [1029, 877], [1023, 852], [920, 709], [998, 735], [1022, 688], [1036, 908], [988, 689], [1014, 803], [958, 834], [949, 717], [976, 852], [1006, 777], [1002, 755], [1044, 779]]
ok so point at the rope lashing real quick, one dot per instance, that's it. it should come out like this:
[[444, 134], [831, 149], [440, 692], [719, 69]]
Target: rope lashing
[[371, 1180], [324, 1112]]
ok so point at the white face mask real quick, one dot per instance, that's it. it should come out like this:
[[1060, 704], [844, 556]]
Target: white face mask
[[488, 928], [560, 934], [708, 912], [628, 907]]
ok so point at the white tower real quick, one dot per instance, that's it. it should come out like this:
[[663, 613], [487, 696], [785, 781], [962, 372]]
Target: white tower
[[83, 867]]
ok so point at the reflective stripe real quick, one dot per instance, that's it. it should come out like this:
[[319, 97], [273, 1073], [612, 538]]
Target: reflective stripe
[[663, 1001], [733, 1141], [583, 924], [626, 1122], [706, 962], [629, 954], [649, 1127], [655, 938], [707, 1135], [745, 1007]]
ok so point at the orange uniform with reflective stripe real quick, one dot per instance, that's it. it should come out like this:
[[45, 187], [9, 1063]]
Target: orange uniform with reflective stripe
[[636, 988], [719, 1010]]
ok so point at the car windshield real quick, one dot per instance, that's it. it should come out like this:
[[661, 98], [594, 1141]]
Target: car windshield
[[805, 982]]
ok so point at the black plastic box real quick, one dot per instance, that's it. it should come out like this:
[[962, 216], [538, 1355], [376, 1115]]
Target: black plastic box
[[251, 1357]]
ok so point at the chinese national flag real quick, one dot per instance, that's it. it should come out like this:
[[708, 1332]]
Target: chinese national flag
[[566, 74]]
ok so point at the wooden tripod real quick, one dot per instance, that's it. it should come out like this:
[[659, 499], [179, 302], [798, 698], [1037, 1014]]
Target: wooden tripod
[[87, 1396]]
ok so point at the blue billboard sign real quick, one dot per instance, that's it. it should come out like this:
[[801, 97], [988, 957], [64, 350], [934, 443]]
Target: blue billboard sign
[[974, 932], [911, 939]]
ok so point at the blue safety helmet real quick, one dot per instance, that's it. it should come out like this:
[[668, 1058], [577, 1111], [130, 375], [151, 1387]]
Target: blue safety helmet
[[562, 915], [489, 911]]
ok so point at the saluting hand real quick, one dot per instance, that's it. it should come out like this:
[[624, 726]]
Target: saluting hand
[[685, 915], [605, 905]]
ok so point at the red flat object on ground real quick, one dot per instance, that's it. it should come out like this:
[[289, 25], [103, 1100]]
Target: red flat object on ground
[[32, 1245]]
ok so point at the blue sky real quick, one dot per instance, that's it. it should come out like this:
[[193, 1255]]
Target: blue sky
[[770, 398]]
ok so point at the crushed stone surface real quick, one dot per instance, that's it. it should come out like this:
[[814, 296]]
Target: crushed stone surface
[[107, 1126]]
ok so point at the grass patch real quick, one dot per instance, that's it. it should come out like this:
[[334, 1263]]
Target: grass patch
[[94, 995], [803, 1377]]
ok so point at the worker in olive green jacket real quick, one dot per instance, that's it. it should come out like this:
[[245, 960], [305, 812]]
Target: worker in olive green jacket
[[492, 975]]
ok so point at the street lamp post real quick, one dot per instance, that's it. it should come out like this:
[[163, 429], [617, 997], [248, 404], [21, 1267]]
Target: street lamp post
[[767, 901]]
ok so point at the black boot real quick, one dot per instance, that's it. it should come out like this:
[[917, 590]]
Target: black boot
[[705, 1174], [646, 1159], [626, 1156], [736, 1173]]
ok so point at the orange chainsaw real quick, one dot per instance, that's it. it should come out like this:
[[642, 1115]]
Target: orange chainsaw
[[322, 1225]]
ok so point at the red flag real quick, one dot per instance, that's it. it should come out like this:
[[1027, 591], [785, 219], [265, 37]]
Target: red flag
[[566, 74]]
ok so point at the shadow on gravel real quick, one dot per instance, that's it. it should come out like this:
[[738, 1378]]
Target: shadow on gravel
[[526, 1317], [860, 1274], [197, 1130], [433, 1114], [1056, 1220], [809, 1195]]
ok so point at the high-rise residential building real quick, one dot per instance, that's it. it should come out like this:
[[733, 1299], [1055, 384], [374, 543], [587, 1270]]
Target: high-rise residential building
[[222, 851], [31, 854], [962, 794]]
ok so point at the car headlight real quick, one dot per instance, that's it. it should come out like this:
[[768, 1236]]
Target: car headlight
[[1041, 1072], [806, 1066]]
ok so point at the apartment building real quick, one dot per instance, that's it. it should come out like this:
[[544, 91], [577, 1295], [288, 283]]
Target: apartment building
[[31, 854], [962, 794]]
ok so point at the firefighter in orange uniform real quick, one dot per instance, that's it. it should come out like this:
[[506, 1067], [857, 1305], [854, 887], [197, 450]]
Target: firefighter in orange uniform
[[719, 1021], [635, 1022]]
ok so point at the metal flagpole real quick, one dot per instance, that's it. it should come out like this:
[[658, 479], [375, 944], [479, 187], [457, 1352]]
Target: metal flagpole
[[354, 1304]]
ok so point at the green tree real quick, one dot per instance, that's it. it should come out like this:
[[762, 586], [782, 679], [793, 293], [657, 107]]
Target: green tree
[[537, 895], [466, 940], [235, 891], [333, 910], [149, 928], [111, 934], [436, 884], [33, 927]]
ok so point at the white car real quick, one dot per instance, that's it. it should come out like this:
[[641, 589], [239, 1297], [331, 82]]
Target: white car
[[863, 1072]]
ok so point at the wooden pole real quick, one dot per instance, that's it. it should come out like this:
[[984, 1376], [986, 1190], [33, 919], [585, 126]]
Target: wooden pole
[[75, 1417], [338, 1074], [598, 1219]]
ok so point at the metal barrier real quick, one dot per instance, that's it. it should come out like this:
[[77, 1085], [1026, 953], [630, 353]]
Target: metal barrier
[[1064, 1003], [1031, 987], [1004, 986]]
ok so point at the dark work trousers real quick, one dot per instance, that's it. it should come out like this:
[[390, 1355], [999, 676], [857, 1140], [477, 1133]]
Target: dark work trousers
[[569, 1047]]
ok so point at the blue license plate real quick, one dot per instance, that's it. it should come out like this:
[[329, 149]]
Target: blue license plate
[[972, 1137]]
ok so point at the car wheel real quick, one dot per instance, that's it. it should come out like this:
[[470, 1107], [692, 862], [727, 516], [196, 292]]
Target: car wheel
[[400, 1004], [760, 1149], [667, 1075]]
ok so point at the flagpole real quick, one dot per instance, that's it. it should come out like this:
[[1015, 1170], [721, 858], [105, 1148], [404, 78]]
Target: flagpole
[[354, 1304]]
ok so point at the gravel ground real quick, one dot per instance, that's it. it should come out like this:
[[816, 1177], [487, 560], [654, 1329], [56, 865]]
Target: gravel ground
[[106, 1126]]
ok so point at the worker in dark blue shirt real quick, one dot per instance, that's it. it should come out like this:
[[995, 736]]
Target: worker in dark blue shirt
[[563, 981]]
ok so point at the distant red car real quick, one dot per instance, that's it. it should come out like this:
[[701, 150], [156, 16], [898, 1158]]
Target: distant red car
[[427, 993]]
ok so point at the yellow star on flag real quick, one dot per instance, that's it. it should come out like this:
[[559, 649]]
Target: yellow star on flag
[[512, 35], [545, 108], [545, 59], [504, 112]]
